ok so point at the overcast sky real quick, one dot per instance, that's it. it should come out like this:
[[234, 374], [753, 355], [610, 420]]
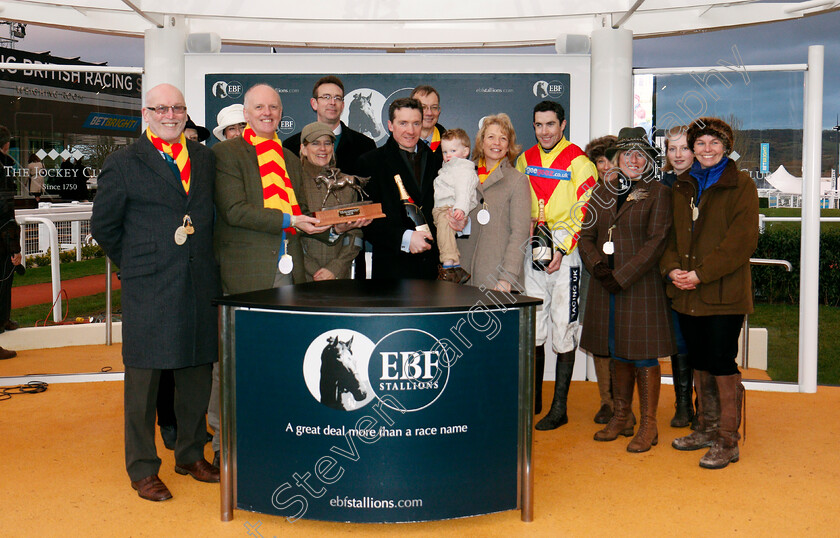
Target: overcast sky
[[785, 42]]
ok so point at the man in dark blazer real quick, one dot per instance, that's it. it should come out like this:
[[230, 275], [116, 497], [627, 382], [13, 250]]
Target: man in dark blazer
[[153, 216], [400, 251], [328, 103]]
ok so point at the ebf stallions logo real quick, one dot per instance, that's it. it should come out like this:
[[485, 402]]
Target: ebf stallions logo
[[344, 369], [222, 89], [552, 88]]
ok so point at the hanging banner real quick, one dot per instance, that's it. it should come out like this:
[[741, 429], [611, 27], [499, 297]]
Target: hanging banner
[[464, 98]]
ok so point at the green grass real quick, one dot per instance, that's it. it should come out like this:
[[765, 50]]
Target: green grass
[[91, 305], [39, 275], [782, 323]]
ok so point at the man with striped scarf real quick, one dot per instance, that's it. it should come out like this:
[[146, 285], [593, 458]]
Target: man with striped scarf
[[258, 213]]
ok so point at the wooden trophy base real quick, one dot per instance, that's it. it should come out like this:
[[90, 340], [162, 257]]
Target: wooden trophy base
[[349, 213]]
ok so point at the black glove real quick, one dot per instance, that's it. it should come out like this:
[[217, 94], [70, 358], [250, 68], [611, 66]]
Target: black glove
[[610, 283], [601, 271]]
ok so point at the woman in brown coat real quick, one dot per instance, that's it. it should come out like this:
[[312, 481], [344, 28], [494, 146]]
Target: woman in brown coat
[[326, 258], [494, 253], [627, 316], [708, 264]]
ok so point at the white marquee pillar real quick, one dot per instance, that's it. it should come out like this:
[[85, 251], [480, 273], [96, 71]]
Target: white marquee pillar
[[611, 82], [164, 53], [809, 273]]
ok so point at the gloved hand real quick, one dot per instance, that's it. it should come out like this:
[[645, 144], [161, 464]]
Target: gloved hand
[[601, 271], [610, 283]]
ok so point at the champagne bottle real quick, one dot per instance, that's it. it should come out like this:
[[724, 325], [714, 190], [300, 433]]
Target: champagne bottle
[[411, 209], [542, 250]]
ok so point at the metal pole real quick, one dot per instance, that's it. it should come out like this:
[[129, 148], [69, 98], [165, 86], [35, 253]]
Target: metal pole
[[810, 258], [227, 418], [108, 320], [527, 332]]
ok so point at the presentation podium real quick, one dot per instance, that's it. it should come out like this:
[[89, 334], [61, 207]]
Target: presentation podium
[[377, 401]]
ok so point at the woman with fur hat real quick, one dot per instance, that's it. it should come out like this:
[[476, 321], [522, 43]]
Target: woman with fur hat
[[326, 259], [707, 263], [624, 234]]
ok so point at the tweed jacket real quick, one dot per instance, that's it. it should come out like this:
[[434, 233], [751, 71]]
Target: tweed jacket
[[351, 145], [248, 235], [167, 289], [642, 316], [337, 256], [718, 245], [386, 234], [496, 251]]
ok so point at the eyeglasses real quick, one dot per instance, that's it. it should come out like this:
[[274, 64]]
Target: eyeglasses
[[161, 110], [328, 97], [432, 108]]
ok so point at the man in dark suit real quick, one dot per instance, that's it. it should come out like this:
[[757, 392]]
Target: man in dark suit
[[399, 250], [328, 103], [431, 130], [153, 216]]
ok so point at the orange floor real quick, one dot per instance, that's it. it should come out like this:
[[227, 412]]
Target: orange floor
[[62, 474]]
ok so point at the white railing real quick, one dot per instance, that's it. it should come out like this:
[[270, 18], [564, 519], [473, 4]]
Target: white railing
[[763, 219], [48, 215]]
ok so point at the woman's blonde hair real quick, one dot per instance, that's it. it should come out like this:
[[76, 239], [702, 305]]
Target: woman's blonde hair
[[504, 123], [672, 134]]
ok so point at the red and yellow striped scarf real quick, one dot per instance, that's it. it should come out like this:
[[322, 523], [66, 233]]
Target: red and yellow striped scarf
[[277, 187], [482, 170], [178, 152]]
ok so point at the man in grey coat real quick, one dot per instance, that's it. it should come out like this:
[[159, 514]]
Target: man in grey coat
[[153, 216]]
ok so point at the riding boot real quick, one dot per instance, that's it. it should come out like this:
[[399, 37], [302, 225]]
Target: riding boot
[[682, 391], [725, 448], [539, 368], [648, 380], [708, 414], [623, 375], [556, 416], [602, 371]]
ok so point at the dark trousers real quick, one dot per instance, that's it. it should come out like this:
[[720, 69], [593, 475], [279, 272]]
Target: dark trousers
[[192, 392], [166, 399], [712, 342], [7, 275]]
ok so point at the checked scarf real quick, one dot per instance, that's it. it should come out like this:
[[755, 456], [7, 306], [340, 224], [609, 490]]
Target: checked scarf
[[277, 187], [178, 153]]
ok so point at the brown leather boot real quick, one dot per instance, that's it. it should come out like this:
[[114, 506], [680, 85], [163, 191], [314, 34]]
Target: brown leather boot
[[708, 414], [648, 379], [623, 375], [725, 448], [602, 370]]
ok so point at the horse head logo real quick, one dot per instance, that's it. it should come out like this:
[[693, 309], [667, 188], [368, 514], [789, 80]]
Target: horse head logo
[[362, 117], [341, 382]]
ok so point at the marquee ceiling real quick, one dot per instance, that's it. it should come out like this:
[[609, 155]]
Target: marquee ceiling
[[404, 24]]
